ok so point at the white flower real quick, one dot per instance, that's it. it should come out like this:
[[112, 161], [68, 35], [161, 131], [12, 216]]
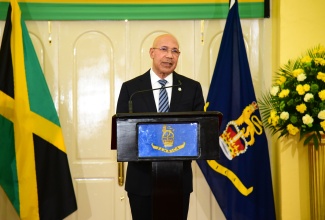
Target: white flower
[[274, 90], [301, 77], [321, 115], [308, 97], [284, 116], [307, 119]]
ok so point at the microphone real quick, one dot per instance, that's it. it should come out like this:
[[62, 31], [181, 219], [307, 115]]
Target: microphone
[[148, 90]]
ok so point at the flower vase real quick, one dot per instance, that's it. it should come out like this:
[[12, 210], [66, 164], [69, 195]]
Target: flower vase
[[317, 180]]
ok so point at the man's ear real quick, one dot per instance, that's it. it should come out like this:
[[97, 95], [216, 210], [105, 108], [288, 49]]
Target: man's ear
[[151, 51]]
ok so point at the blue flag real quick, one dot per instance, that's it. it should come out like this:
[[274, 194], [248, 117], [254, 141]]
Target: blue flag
[[241, 179]]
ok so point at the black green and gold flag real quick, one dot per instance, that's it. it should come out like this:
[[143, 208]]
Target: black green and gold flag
[[35, 173]]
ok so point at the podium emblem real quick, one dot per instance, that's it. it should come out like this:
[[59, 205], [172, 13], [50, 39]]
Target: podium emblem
[[168, 140], [167, 136]]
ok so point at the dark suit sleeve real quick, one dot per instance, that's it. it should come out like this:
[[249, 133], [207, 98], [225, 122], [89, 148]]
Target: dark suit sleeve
[[198, 100], [123, 100]]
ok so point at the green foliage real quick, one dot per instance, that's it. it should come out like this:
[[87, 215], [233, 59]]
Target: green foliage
[[296, 101]]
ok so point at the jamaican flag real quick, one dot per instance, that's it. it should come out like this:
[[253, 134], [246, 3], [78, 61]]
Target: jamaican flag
[[34, 166]]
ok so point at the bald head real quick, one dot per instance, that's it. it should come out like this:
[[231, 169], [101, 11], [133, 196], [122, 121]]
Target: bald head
[[163, 38], [164, 54]]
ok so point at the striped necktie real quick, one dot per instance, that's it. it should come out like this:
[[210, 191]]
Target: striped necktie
[[163, 97]]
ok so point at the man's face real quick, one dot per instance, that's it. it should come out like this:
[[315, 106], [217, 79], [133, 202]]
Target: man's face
[[164, 54]]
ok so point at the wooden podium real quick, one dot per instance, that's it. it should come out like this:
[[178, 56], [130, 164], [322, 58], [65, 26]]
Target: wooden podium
[[166, 140]]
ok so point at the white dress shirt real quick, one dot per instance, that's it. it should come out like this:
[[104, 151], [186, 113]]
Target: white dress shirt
[[155, 85]]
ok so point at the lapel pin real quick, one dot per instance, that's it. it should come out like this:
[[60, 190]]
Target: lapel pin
[[179, 89]]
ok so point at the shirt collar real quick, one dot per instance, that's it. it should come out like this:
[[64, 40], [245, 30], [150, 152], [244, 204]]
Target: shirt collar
[[155, 78]]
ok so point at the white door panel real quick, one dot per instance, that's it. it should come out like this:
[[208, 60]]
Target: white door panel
[[91, 57]]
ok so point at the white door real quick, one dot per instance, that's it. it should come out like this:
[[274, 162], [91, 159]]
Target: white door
[[85, 63]]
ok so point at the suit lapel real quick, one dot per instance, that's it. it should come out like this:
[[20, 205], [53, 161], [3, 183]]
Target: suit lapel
[[176, 93]]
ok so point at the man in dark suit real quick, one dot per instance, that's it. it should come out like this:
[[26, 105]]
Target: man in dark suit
[[187, 97]]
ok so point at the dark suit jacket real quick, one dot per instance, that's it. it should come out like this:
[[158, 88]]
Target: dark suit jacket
[[190, 98]]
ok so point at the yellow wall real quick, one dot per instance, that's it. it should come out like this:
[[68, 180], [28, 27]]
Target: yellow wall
[[297, 25]]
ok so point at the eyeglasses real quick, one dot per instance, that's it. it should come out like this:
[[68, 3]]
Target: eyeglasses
[[175, 51]]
